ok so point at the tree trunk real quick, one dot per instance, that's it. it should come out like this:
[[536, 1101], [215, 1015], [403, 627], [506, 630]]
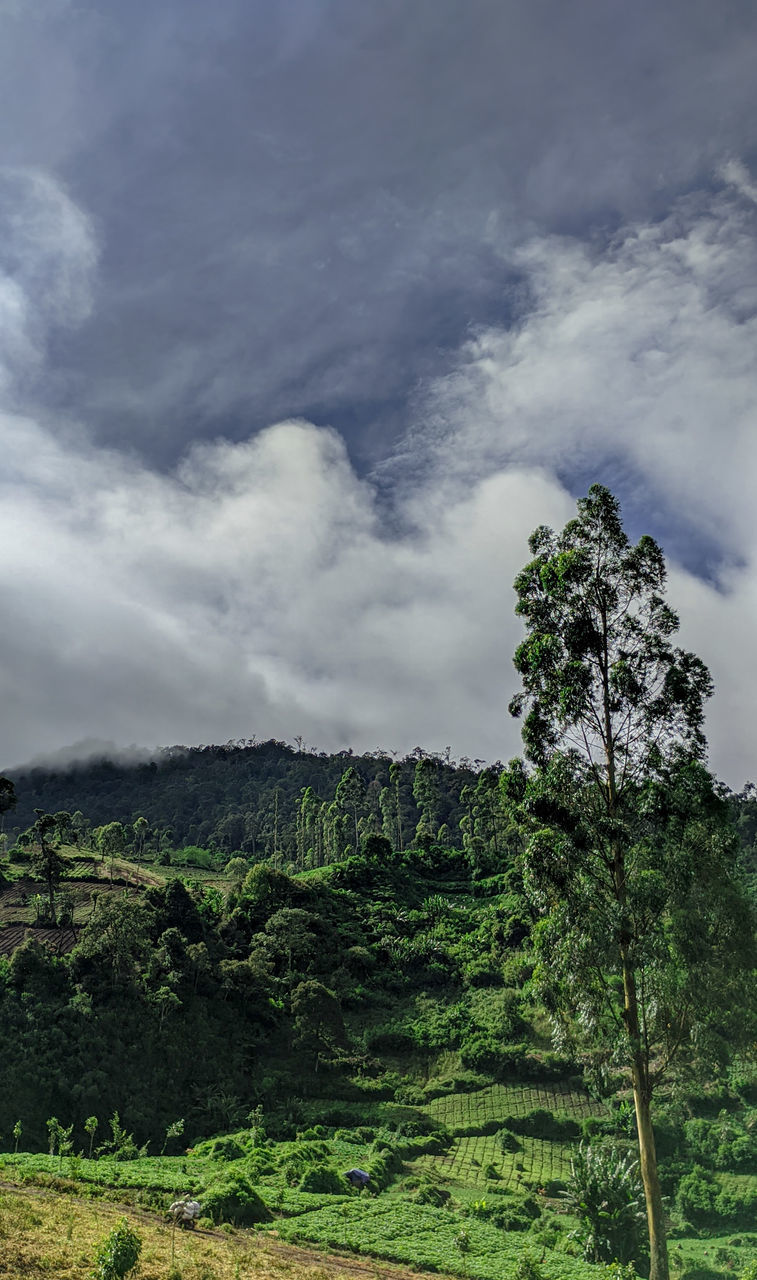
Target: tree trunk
[[51, 898], [658, 1247]]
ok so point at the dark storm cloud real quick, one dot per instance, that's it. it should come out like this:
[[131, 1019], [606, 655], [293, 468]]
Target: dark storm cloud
[[304, 207], [504, 249]]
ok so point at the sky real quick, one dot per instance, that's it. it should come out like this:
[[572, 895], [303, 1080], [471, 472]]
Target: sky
[[311, 312]]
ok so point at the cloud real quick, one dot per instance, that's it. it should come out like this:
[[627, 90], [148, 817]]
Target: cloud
[[263, 586], [47, 255], [301, 205], [641, 350], [253, 592]]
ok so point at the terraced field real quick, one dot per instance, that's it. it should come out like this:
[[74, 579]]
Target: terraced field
[[12, 936], [475, 1162], [463, 1112]]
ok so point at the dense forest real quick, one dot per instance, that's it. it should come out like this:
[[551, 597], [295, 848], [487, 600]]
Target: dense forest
[[297, 807], [271, 800]]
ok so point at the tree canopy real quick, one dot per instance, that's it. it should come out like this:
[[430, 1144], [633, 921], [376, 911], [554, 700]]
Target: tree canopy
[[630, 854]]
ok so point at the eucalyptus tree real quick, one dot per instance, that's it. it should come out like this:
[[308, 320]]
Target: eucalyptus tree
[[111, 841], [427, 796], [44, 838], [350, 797], [643, 932], [141, 827]]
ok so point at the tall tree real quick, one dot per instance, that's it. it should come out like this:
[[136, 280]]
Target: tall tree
[[141, 827], [629, 853], [44, 838], [7, 796], [350, 795], [427, 796], [111, 840]]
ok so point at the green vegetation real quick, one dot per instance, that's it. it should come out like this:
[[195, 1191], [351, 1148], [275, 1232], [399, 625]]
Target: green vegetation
[[630, 853], [118, 1254], [242, 972]]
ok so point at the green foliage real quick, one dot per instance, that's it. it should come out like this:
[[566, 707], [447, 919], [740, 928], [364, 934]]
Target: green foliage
[[232, 1198], [541, 1123], [90, 1128], [8, 798], [528, 1269], [173, 1130], [120, 1145], [118, 1254], [727, 1143], [645, 935], [323, 1177], [706, 1201], [226, 1147], [604, 1191]]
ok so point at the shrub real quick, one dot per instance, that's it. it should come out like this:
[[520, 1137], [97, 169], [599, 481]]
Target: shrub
[[697, 1195], [232, 1198], [390, 1040], [430, 1193], [118, 1254], [323, 1178], [605, 1193], [517, 1213], [528, 1269], [383, 1166], [224, 1148], [540, 1123]]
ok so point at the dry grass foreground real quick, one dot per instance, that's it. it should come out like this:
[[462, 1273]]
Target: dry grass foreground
[[43, 1233]]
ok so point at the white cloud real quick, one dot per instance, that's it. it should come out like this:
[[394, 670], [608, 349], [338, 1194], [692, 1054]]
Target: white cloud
[[643, 350], [260, 589]]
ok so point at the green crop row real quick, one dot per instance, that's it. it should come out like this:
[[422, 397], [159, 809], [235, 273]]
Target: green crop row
[[497, 1101], [156, 1173], [475, 1162], [429, 1238]]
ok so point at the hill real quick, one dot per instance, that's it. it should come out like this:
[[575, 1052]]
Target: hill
[[374, 1013], [249, 797], [214, 1017]]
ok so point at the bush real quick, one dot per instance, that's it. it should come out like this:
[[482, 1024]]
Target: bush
[[697, 1195], [540, 1123], [516, 1213], [390, 1040], [323, 1178], [430, 1193], [232, 1198], [225, 1148], [383, 1166], [118, 1254], [528, 1269]]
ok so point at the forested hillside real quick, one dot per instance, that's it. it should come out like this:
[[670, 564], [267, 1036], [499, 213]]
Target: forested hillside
[[270, 800], [378, 1012], [298, 807]]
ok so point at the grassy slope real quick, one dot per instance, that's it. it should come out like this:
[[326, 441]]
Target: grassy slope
[[45, 1233]]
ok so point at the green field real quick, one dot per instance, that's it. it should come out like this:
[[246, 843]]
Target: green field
[[467, 1111]]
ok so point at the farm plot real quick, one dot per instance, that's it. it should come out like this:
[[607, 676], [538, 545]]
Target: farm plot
[[17, 907], [152, 1173], [475, 1161], [469, 1111], [12, 936], [427, 1238]]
